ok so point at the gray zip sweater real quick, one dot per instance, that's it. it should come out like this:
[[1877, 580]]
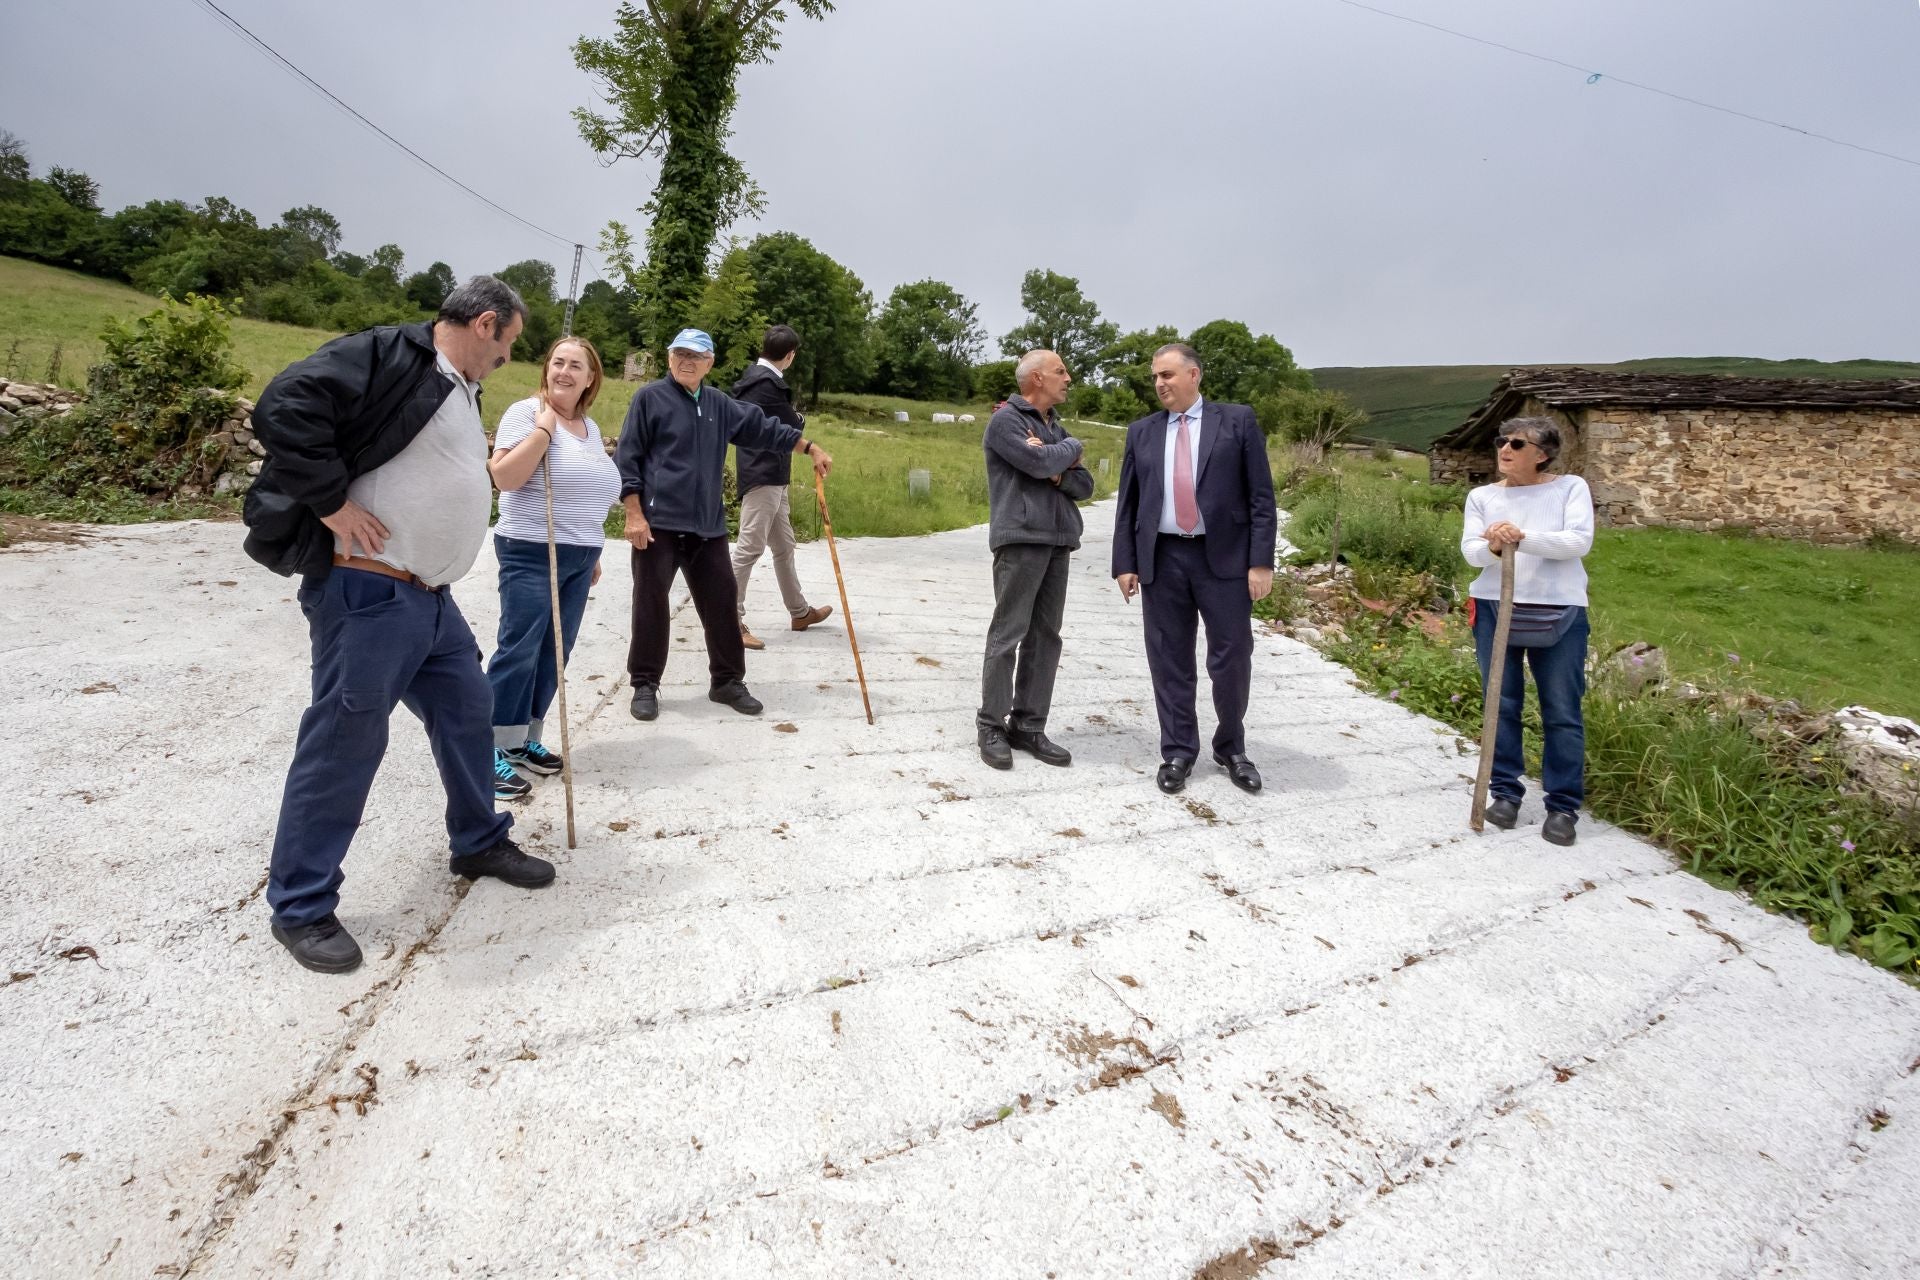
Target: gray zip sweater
[[1026, 505]]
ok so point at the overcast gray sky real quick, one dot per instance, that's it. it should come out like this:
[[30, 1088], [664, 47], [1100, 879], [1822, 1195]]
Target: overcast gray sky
[[1368, 191]]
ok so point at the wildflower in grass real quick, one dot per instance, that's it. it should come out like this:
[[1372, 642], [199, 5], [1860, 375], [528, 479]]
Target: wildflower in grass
[[1847, 845], [1454, 698], [1734, 658], [1395, 695]]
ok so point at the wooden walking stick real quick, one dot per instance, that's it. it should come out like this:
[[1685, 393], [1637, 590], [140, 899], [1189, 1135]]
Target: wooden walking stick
[[826, 522], [559, 645], [1496, 676]]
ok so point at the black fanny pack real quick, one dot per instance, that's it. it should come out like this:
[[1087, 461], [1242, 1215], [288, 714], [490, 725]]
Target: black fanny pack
[[1540, 626]]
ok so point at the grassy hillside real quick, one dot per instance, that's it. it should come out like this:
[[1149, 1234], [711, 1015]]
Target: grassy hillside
[[1413, 404]]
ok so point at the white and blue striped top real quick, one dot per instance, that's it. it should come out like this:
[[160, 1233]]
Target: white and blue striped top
[[586, 484]]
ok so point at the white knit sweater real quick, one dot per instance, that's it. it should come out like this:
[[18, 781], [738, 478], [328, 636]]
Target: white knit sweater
[[1557, 517]]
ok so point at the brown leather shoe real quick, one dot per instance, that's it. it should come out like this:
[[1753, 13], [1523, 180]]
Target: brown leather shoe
[[750, 640], [816, 614]]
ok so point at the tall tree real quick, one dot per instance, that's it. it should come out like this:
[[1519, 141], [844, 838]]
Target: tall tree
[[925, 342], [1063, 320], [76, 188], [729, 312], [668, 76], [796, 284], [1243, 368], [316, 230], [15, 167], [428, 289]]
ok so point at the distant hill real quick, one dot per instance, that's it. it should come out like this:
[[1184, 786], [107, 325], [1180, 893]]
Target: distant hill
[[1412, 405]]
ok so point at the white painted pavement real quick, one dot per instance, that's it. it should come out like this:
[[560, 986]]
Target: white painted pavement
[[818, 999]]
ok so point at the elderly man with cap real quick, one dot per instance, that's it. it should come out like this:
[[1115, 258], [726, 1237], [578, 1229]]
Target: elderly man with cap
[[672, 453]]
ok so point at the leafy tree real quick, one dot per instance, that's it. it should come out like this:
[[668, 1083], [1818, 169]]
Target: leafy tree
[[351, 264], [76, 188], [1128, 363], [1242, 368], [37, 222], [428, 289], [925, 342], [994, 379], [1307, 415], [313, 229], [533, 280], [15, 166], [604, 315], [730, 314], [1063, 320], [668, 76], [796, 284]]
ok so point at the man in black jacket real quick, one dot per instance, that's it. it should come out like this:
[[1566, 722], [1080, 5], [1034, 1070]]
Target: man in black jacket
[[375, 490], [672, 458], [763, 475]]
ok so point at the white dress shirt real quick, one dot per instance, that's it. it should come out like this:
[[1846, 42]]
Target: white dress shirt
[[1167, 523]]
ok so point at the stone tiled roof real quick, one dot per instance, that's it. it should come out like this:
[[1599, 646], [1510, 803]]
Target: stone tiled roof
[[1583, 388]]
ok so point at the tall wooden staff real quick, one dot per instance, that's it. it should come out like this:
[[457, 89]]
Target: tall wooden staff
[[826, 522], [559, 645], [1496, 677]]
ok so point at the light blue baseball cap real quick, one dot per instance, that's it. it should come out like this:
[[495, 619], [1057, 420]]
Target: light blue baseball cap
[[692, 340]]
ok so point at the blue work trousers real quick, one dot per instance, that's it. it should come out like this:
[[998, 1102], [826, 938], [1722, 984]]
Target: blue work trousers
[[1560, 681], [521, 670]]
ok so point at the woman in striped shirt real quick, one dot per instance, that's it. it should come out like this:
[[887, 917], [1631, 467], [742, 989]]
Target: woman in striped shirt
[[545, 435]]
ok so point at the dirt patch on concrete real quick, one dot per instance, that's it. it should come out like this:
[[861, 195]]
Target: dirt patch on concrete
[[30, 533], [1241, 1264]]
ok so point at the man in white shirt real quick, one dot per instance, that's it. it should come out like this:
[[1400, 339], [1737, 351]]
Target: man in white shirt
[[375, 490]]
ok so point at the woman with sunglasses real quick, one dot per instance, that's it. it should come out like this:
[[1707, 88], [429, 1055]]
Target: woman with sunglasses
[[1544, 522]]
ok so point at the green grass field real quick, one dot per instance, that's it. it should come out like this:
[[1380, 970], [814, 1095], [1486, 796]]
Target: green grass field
[[1413, 405]]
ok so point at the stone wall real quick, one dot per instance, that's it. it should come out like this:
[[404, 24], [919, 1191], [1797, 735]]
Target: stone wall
[[230, 470], [1826, 475]]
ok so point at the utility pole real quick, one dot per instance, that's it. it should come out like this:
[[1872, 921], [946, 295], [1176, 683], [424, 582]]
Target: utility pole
[[573, 292]]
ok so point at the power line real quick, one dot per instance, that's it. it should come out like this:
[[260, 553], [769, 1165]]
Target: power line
[[234, 24], [1594, 77]]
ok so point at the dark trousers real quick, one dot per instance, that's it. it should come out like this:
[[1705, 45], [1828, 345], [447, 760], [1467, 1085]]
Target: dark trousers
[[1023, 640], [378, 641], [1560, 680], [708, 567], [1183, 593], [521, 670]]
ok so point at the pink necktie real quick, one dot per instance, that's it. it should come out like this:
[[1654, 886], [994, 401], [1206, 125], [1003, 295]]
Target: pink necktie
[[1186, 513]]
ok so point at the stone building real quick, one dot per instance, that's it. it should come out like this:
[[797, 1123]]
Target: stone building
[[1833, 461]]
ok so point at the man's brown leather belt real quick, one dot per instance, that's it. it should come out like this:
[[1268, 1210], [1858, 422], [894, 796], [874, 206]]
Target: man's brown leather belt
[[381, 567]]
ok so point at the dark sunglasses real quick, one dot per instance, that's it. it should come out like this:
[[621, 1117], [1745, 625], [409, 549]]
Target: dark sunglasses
[[1511, 442]]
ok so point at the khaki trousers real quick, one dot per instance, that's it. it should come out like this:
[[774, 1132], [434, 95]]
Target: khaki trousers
[[766, 524]]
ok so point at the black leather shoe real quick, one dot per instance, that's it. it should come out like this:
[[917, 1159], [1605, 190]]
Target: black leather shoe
[[505, 861], [1172, 777], [323, 946], [1040, 747], [1503, 814], [1558, 828], [646, 701], [734, 694], [1240, 770], [994, 749]]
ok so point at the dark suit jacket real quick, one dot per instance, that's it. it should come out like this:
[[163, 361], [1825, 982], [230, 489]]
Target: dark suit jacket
[[1233, 488]]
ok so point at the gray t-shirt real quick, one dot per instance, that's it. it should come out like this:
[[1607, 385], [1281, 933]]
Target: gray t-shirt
[[434, 496]]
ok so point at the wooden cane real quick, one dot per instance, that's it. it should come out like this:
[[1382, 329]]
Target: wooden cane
[[559, 646], [826, 522], [1496, 676]]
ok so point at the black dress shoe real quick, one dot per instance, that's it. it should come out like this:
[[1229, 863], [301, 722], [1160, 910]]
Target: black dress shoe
[[1240, 770], [505, 861], [646, 701], [1172, 777], [1558, 828], [734, 694], [994, 749], [1503, 814], [323, 946], [1040, 747]]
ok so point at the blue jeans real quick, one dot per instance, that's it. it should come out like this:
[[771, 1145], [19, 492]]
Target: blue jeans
[[378, 641], [1560, 681], [522, 672]]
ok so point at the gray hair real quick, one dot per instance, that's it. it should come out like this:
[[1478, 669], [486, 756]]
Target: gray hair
[[1185, 352], [478, 296], [1544, 432], [1028, 366]]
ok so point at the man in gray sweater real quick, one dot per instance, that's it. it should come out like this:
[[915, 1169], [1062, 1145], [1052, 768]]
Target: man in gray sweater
[[1034, 481]]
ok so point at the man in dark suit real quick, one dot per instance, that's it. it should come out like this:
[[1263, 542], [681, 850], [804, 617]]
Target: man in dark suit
[[1194, 534]]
